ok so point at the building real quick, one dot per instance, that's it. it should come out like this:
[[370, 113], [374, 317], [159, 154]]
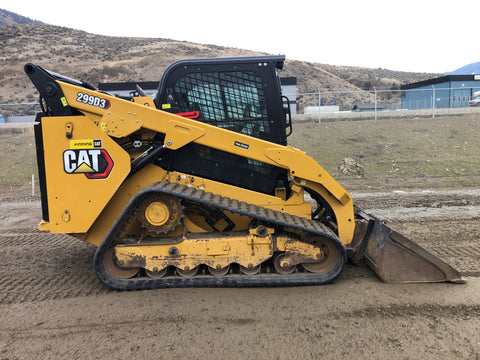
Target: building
[[289, 90], [369, 107], [128, 89], [19, 119], [448, 91]]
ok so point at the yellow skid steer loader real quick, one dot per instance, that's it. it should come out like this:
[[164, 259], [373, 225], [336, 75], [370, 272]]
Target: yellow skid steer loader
[[198, 186]]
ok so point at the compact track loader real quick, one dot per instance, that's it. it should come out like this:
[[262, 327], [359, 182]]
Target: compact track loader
[[198, 186]]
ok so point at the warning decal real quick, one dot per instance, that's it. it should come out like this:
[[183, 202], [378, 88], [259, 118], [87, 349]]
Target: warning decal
[[85, 144]]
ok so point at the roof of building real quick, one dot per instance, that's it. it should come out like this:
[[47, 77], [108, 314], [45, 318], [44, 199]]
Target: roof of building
[[145, 85], [368, 107], [439, 80], [288, 81]]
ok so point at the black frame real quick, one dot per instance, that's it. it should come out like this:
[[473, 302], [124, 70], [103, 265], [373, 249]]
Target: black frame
[[214, 164]]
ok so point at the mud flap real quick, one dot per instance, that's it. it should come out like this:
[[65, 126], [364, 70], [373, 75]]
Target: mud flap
[[396, 259]]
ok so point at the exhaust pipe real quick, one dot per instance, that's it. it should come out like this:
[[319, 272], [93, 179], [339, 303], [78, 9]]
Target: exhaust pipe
[[393, 257]]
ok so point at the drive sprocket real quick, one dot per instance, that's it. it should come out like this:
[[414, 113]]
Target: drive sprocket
[[160, 213]]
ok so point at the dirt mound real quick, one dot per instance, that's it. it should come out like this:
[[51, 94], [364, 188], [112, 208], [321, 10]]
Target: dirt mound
[[350, 166]]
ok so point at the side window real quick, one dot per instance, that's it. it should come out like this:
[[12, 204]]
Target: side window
[[244, 101], [207, 99], [232, 99]]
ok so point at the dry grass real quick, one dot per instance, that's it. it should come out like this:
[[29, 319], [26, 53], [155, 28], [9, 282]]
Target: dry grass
[[395, 148], [418, 152], [17, 163]]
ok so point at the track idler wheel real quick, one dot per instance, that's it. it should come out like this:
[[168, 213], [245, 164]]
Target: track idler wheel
[[114, 268], [329, 255]]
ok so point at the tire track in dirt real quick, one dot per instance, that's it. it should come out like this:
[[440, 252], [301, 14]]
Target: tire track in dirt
[[422, 205], [40, 266], [426, 213], [366, 319]]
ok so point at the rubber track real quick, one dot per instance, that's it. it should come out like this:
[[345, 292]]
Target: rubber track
[[276, 218]]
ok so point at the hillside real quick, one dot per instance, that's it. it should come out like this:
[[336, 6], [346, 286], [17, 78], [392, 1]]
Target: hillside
[[95, 58], [10, 18]]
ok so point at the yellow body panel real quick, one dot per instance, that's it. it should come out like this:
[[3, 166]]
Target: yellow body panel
[[128, 189], [75, 201], [152, 174], [123, 118]]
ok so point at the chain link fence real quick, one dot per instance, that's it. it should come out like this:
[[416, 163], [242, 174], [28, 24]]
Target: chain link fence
[[340, 105], [18, 112], [381, 104]]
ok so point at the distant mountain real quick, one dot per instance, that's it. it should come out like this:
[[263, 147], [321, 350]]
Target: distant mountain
[[473, 68], [10, 18]]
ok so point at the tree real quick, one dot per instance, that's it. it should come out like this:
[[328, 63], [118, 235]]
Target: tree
[[395, 87]]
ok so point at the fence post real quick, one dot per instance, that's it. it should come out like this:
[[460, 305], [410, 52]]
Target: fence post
[[375, 89], [319, 107], [433, 102]]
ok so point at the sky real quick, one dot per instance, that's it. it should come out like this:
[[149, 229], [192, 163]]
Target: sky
[[408, 35]]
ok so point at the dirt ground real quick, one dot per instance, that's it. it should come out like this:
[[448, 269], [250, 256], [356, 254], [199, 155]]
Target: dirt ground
[[53, 307]]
